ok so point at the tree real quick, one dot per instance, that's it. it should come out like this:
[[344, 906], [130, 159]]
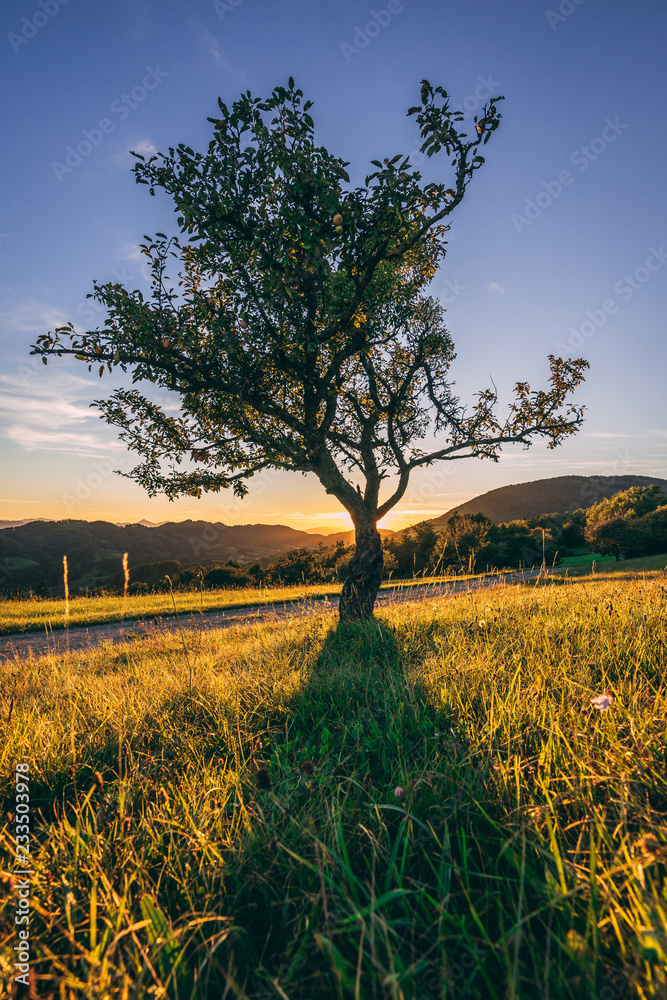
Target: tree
[[632, 503], [572, 532], [621, 525], [654, 525], [630, 523], [466, 533], [412, 549], [617, 536], [299, 336]]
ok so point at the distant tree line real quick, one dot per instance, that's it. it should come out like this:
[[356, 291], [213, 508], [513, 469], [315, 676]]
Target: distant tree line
[[324, 564], [470, 543], [466, 544]]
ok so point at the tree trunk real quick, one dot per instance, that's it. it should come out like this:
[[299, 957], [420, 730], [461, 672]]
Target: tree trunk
[[364, 572]]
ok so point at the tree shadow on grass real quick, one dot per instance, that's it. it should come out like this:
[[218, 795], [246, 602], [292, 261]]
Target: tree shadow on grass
[[344, 705], [379, 807], [395, 803]]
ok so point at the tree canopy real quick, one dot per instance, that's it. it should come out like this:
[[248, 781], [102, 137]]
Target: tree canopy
[[634, 502], [296, 329], [631, 523]]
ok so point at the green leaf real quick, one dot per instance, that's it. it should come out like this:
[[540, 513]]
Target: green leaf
[[164, 943]]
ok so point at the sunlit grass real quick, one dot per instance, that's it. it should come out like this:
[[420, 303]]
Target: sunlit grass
[[526, 859]]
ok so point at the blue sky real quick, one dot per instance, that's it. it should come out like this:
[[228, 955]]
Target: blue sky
[[559, 247]]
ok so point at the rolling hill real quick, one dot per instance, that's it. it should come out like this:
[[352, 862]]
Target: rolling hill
[[547, 496]]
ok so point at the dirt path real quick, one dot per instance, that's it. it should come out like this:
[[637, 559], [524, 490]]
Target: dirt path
[[36, 643]]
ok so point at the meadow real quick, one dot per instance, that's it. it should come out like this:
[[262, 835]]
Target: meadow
[[422, 806]]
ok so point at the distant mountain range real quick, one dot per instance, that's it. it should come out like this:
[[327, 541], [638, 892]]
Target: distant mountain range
[[143, 522], [31, 520], [33, 552], [547, 496]]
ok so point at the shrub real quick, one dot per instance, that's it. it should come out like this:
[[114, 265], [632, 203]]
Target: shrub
[[231, 575]]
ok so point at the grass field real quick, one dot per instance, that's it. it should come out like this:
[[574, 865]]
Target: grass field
[[246, 836], [36, 614], [584, 562]]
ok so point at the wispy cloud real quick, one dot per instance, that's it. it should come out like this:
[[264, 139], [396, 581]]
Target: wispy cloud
[[297, 515], [609, 434], [495, 287], [145, 147], [43, 412], [62, 385], [83, 444], [131, 251], [124, 158], [31, 316], [211, 44], [430, 511], [51, 413], [547, 469]]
